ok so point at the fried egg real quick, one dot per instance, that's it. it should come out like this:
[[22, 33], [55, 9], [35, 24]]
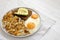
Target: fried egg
[[33, 22]]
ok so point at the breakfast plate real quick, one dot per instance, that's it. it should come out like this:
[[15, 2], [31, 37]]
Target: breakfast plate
[[21, 22], [43, 9]]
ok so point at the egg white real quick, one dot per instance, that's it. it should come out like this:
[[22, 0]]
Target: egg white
[[35, 21]]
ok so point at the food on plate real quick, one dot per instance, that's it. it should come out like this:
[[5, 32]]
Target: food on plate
[[22, 11], [15, 26], [24, 17], [20, 22], [34, 16], [31, 25]]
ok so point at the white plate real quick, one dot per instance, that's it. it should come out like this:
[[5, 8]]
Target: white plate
[[24, 35]]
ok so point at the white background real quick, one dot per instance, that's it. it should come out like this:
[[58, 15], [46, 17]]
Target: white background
[[51, 8]]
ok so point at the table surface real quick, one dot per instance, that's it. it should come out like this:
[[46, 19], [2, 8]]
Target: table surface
[[51, 8], [53, 12]]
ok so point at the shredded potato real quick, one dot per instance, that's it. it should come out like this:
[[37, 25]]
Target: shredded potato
[[14, 24]]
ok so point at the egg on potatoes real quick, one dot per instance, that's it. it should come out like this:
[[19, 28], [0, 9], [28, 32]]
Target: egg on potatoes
[[32, 23]]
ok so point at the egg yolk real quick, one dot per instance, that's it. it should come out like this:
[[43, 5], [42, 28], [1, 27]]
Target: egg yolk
[[34, 16], [30, 25]]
